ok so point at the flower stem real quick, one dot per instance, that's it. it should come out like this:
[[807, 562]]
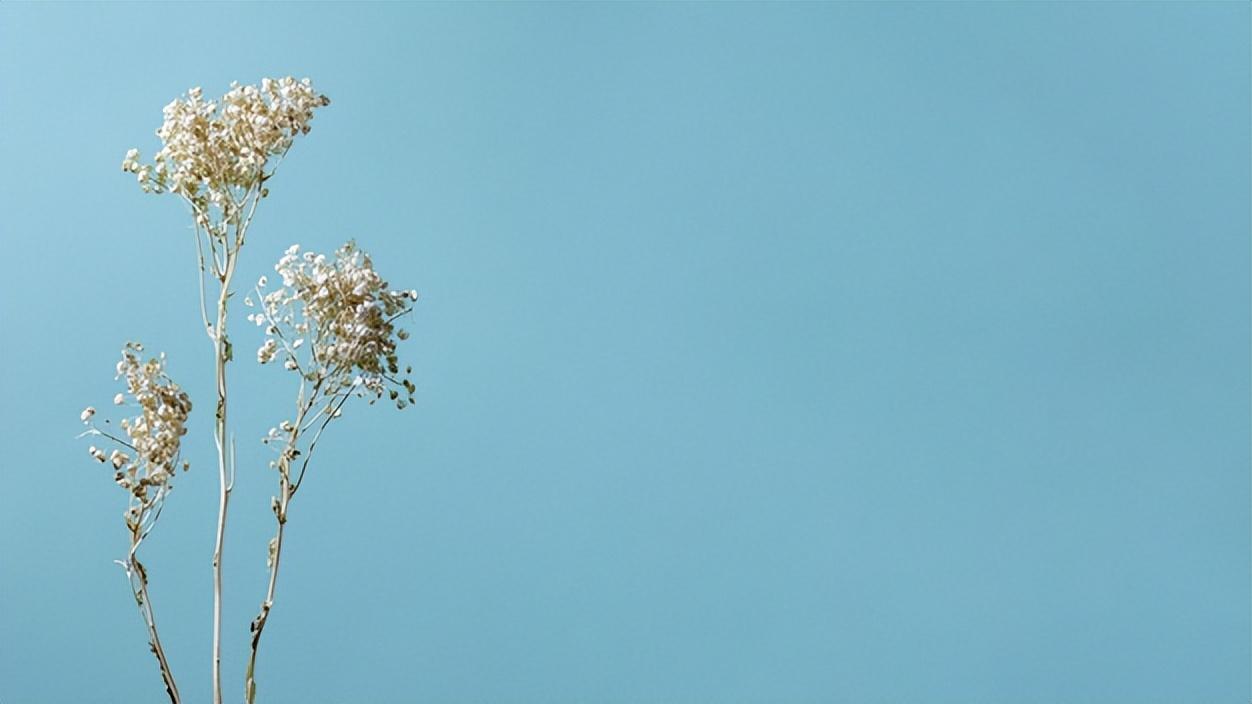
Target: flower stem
[[222, 353], [280, 516], [139, 585], [258, 624]]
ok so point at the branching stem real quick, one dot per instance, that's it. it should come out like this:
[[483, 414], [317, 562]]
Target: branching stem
[[223, 354]]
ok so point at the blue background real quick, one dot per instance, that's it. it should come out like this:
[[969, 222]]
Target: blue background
[[767, 353]]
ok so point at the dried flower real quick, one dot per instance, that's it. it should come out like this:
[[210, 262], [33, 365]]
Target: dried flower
[[266, 351], [345, 311], [119, 459], [155, 435], [214, 151]]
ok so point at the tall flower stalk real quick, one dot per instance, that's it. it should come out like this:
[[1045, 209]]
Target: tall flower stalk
[[346, 314], [218, 157]]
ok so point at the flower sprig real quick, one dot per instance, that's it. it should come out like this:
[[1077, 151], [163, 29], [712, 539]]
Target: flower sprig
[[144, 463], [145, 460], [332, 322]]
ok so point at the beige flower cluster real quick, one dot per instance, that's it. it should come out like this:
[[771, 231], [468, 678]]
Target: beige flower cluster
[[154, 436], [215, 152], [346, 312]]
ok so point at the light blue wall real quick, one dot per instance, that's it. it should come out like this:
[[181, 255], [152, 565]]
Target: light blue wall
[[768, 353]]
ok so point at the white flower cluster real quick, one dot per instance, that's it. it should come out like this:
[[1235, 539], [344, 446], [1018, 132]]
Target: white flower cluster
[[214, 151], [154, 435], [345, 311]]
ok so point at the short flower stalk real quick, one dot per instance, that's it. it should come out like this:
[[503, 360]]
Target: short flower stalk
[[144, 463]]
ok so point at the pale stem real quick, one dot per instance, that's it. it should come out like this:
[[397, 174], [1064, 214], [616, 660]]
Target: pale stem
[[204, 311], [222, 352], [224, 488], [258, 624], [140, 588], [280, 516], [138, 578]]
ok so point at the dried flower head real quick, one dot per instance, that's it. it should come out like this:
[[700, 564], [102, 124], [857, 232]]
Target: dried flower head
[[346, 312], [215, 152], [147, 458]]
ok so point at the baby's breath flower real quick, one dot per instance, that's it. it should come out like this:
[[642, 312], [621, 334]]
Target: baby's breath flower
[[154, 436], [157, 431], [214, 150], [87, 413], [266, 352], [345, 311]]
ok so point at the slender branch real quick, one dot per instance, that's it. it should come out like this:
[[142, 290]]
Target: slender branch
[[204, 311], [313, 444], [320, 412], [399, 315], [256, 199], [159, 502], [276, 551], [202, 216], [139, 585], [96, 431], [138, 579], [221, 351], [258, 624]]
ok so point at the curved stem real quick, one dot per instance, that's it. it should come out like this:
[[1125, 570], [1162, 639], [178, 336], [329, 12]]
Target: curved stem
[[139, 586], [258, 624], [280, 515], [143, 522]]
